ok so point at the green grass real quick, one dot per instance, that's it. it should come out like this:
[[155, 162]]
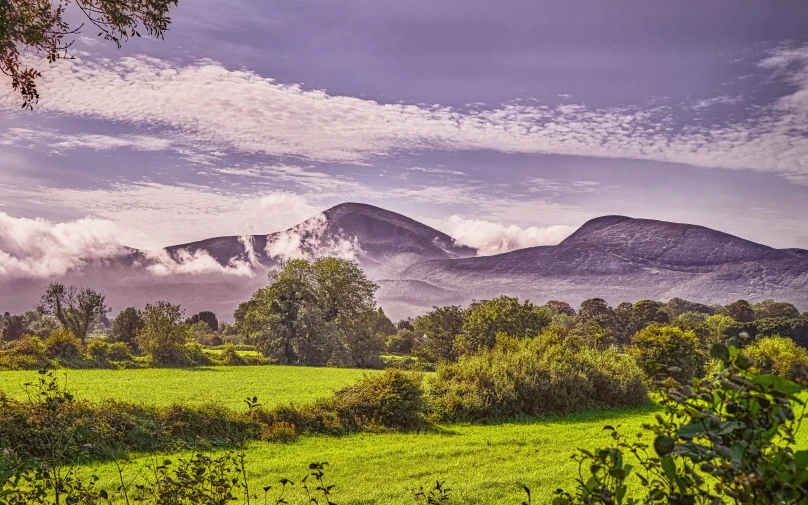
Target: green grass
[[273, 385]]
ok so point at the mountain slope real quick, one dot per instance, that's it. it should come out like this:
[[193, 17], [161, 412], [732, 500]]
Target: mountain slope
[[625, 259]]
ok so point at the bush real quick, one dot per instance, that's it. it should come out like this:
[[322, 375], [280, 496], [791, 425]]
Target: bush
[[119, 351], [63, 344], [229, 356], [668, 351], [98, 351], [393, 399], [541, 376], [777, 355], [27, 354], [280, 432], [727, 439]]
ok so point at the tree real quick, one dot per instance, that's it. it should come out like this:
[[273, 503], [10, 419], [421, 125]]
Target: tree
[[677, 306], [126, 326], [771, 309], [668, 351], [163, 334], [313, 313], [11, 327], [207, 317], [76, 308], [554, 307], [740, 311], [504, 315], [439, 329], [646, 312], [42, 26], [382, 325]]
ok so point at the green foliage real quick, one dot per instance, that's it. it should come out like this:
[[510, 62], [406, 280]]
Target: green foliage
[[76, 309], [315, 313], [206, 317], [663, 350], [439, 329], [541, 376], [771, 309], [382, 325], [483, 321], [727, 438], [230, 356], [555, 307], [63, 344], [11, 327], [740, 311], [677, 306], [119, 351], [163, 336], [393, 399], [778, 355], [98, 351], [125, 327], [41, 26]]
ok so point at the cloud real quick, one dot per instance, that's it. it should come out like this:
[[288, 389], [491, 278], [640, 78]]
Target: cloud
[[539, 184], [309, 179], [39, 248], [251, 113], [440, 171], [152, 215], [57, 141], [310, 240], [494, 238], [161, 263]]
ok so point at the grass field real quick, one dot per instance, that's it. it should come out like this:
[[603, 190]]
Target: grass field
[[481, 464], [273, 385]]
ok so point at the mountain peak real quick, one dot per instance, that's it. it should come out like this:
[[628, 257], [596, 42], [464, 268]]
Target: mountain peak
[[667, 242]]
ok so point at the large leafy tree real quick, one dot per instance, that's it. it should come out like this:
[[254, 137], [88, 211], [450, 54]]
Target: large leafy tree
[[503, 315], [438, 331], [42, 26], [313, 312], [11, 327], [126, 326], [76, 308], [771, 309], [163, 333]]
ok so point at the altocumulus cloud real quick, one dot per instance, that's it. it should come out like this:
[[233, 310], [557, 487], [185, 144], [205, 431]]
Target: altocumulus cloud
[[249, 112]]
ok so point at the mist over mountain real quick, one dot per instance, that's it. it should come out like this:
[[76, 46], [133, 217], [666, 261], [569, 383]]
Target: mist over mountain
[[613, 257]]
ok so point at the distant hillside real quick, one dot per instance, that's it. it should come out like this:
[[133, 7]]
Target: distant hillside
[[624, 259], [613, 257]]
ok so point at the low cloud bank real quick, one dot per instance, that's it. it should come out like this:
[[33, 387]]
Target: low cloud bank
[[40, 248], [494, 238], [310, 240]]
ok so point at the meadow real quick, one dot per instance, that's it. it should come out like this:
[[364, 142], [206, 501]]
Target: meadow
[[480, 463], [230, 385]]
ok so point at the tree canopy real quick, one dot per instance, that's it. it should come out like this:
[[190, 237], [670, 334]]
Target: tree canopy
[[76, 308], [42, 26]]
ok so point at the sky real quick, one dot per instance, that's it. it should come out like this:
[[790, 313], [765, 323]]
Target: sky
[[506, 124]]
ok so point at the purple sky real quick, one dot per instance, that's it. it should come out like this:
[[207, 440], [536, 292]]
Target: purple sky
[[498, 122]]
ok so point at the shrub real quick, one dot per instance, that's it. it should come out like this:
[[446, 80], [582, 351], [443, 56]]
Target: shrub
[[393, 399], [63, 344], [777, 355], [534, 377], [27, 354], [668, 350], [119, 351], [726, 439], [279, 431], [98, 351], [229, 356]]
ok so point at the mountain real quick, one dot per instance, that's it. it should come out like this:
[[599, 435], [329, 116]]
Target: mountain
[[383, 242], [613, 257], [623, 259]]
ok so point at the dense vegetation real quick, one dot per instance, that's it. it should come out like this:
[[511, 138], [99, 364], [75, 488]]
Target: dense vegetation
[[727, 438]]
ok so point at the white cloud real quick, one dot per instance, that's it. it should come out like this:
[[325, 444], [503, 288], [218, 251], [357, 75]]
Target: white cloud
[[248, 112], [439, 171], [494, 238], [152, 215], [40, 248], [161, 263], [57, 141], [37, 248], [539, 184], [309, 240]]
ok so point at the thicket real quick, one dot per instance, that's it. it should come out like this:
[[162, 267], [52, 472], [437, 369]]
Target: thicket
[[541, 376]]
